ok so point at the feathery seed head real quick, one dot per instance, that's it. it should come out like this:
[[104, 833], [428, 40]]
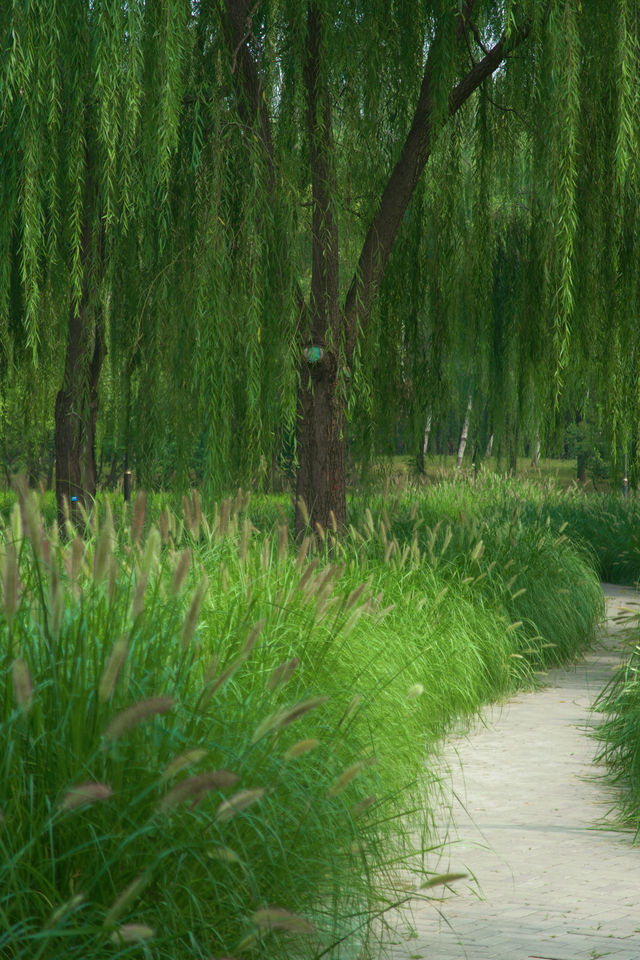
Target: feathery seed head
[[136, 714], [283, 673], [102, 552], [302, 553], [345, 778], [151, 550], [275, 918], [22, 686], [114, 664], [283, 541], [180, 572], [442, 879], [300, 748], [139, 513], [359, 808], [16, 525], [189, 625], [282, 718], [10, 581], [302, 509], [196, 787], [238, 802], [163, 524], [184, 760], [137, 604], [252, 637], [85, 794], [126, 898], [132, 933]]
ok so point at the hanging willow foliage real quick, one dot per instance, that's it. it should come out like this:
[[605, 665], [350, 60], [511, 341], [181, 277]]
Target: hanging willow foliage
[[161, 158]]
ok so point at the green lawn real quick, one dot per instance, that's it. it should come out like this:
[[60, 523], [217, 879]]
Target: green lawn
[[563, 472]]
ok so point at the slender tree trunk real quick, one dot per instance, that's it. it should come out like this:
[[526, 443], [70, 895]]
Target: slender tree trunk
[[535, 460], [463, 436], [489, 449], [424, 445], [512, 444]]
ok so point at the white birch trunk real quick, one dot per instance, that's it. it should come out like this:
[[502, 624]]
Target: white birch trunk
[[535, 460], [489, 449]]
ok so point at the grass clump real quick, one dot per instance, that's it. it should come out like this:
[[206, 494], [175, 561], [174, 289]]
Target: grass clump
[[212, 741], [163, 784], [619, 736]]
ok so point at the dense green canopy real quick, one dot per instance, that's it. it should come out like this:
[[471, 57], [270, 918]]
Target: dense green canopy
[[443, 196]]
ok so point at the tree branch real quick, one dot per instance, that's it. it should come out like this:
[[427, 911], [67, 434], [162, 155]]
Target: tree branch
[[404, 177], [324, 302], [252, 105]]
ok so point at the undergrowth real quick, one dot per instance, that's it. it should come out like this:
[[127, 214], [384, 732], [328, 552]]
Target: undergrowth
[[213, 740], [619, 737]]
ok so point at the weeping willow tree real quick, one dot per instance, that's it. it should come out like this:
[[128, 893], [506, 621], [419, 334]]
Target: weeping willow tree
[[88, 123], [241, 220]]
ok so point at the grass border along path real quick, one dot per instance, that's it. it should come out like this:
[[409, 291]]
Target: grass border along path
[[192, 705]]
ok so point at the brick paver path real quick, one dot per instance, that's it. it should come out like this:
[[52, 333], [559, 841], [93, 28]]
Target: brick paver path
[[525, 807]]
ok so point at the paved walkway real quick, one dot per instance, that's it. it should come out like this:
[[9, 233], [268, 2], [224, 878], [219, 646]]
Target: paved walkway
[[525, 806]]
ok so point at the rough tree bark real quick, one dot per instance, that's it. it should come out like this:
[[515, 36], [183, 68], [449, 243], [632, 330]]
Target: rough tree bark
[[321, 480], [76, 413], [76, 408]]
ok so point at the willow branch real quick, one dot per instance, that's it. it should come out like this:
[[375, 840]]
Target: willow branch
[[404, 177]]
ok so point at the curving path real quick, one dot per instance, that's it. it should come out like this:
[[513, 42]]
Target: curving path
[[525, 807]]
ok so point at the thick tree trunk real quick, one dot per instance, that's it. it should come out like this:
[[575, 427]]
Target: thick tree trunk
[[463, 436], [582, 467], [321, 481], [76, 413]]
